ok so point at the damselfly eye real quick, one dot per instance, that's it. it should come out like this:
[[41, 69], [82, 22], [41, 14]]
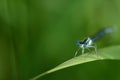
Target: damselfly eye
[[78, 43]]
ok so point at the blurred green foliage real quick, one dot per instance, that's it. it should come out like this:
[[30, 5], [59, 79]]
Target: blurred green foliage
[[36, 35]]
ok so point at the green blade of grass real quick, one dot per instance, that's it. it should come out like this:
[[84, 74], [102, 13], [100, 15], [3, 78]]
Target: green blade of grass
[[112, 53]]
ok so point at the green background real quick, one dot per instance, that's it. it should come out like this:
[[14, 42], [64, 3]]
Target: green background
[[37, 35]]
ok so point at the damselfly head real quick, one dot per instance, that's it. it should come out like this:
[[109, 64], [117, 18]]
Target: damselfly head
[[78, 43]]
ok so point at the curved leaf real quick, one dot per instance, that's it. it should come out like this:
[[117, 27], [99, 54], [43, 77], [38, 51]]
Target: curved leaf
[[112, 53]]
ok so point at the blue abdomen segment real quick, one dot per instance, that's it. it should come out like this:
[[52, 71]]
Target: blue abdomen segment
[[102, 33]]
